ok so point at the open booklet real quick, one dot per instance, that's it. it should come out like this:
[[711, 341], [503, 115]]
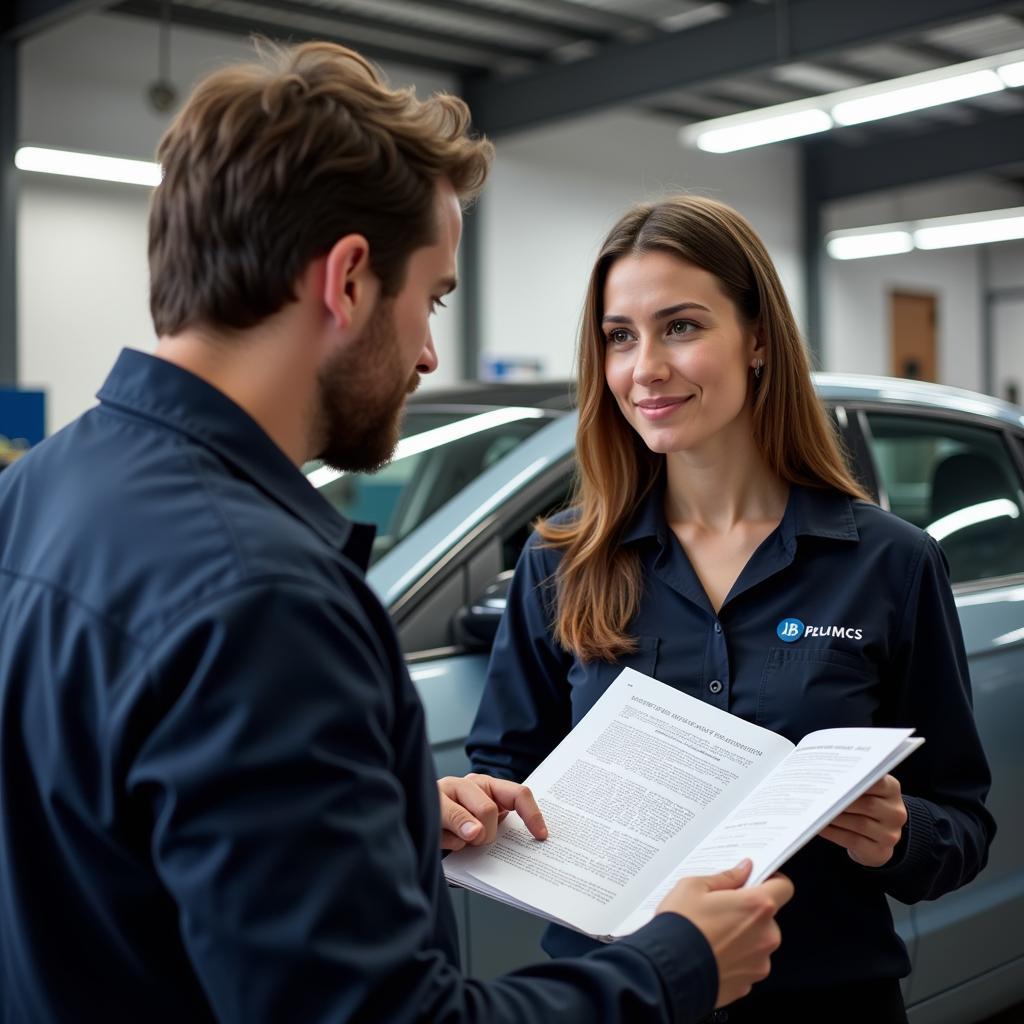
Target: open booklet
[[654, 785]]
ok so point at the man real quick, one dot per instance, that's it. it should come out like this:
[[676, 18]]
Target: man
[[216, 799]]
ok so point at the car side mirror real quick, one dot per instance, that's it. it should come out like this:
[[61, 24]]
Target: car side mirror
[[476, 624]]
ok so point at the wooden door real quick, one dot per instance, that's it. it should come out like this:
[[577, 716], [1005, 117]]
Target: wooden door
[[913, 328]]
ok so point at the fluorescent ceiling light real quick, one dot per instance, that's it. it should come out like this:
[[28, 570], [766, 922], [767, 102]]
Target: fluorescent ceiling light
[[916, 97], [872, 243], [727, 139], [87, 165], [859, 104], [428, 439], [934, 233], [975, 229], [1012, 74]]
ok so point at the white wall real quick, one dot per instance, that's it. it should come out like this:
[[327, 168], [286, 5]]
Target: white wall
[[554, 194], [856, 292], [82, 274], [1007, 272], [857, 328]]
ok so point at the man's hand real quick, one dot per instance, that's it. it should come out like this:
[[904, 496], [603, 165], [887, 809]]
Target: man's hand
[[471, 808], [739, 924], [871, 826]]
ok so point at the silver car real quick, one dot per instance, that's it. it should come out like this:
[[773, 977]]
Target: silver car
[[478, 464]]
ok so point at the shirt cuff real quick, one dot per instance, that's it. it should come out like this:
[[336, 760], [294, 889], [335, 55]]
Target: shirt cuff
[[916, 845], [683, 957]]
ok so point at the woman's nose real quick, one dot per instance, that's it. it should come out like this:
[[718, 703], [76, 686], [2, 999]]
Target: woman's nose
[[650, 364]]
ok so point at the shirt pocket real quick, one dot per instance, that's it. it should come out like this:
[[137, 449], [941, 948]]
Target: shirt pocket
[[809, 689], [588, 680]]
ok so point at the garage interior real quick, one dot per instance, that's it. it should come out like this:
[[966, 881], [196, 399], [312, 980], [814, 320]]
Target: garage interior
[[588, 103]]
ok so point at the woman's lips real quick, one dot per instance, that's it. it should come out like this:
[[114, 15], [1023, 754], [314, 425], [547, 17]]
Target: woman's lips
[[659, 408]]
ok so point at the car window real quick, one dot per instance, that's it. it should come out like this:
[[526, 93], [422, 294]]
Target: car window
[[438, 455], [959, 483]]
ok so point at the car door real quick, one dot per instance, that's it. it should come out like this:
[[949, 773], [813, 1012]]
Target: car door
[[440, 570], [959, 478]]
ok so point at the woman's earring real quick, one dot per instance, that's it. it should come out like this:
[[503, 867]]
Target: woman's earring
[[758, 368]]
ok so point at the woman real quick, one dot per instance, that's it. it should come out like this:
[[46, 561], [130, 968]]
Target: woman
[[718, 542]]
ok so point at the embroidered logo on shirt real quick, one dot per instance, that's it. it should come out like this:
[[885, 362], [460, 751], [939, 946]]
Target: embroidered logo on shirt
[[791, 630]]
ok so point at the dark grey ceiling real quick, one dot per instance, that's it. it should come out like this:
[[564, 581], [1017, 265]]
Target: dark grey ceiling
[[689, 59], [523, 63]]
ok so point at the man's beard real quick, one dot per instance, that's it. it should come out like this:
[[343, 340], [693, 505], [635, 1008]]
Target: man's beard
[[362, 397]]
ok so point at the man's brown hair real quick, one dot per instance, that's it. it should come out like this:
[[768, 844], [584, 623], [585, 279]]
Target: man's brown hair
[[268, 165]]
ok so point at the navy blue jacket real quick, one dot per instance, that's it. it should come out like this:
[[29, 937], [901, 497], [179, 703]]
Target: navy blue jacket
[[217, 801], [842, 617]]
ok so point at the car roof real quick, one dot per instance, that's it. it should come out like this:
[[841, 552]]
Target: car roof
[[541, 394], [559, 395]]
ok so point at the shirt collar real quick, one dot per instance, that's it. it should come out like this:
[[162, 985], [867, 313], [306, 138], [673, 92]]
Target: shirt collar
[[158, 390], [810, 512], [820, 512]]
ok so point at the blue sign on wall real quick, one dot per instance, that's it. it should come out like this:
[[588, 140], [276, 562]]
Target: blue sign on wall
[[22, 422]]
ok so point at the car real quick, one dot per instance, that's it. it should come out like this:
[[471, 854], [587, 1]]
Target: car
[[478, 464]]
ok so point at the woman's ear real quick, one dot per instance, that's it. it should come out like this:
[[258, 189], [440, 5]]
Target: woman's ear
[[350, 286], [758, 348]]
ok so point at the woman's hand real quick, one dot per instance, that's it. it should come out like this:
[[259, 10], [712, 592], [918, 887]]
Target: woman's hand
[[872, 825], [471, 808]]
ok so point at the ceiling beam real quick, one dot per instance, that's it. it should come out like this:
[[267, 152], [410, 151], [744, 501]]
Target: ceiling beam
[[408, 39], [229, 24], [21, 18], [839, 170], [750, 39]]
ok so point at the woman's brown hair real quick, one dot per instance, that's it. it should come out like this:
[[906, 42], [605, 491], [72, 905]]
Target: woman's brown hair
[[268, 165], [598, 581]]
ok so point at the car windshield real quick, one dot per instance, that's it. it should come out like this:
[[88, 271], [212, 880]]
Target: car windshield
[[442, 449]]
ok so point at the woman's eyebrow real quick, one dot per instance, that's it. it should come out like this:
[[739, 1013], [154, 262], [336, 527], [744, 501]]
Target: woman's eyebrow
[[669, 310], [614, 318]]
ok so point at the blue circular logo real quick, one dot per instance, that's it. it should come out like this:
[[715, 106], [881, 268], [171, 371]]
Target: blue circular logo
[[789, 630]]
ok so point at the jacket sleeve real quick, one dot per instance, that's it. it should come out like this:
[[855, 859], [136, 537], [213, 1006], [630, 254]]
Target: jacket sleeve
[[272, 781], [945, 783], [525, 710]]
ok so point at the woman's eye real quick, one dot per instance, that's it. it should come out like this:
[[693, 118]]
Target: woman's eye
[[436, 304], [618, 336], [682, 327]]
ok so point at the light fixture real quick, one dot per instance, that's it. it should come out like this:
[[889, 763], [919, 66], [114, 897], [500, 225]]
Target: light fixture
[[932, 93], [770, 129], [859, 104], [1012, 74], [872, 242], [933, 233], [87, 165], [972, 229]]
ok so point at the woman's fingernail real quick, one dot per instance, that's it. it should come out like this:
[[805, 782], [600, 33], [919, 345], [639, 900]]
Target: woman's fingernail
[[469, 829]]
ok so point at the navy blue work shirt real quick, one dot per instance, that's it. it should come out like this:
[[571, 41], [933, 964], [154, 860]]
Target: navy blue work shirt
[[217, 801], [842, 617]]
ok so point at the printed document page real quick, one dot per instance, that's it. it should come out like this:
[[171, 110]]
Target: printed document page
[[826, 772], [632, 789]]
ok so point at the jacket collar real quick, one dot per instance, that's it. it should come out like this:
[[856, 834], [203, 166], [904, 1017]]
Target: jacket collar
[[158, 390]]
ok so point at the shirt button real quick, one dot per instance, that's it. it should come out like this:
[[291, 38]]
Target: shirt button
[[718, 627], [715, 686], [720, 1016]]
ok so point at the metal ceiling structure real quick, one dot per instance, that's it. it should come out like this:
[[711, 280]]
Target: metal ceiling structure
[[523, 63]]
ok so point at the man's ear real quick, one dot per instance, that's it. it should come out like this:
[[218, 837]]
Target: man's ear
[[350, 286]]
